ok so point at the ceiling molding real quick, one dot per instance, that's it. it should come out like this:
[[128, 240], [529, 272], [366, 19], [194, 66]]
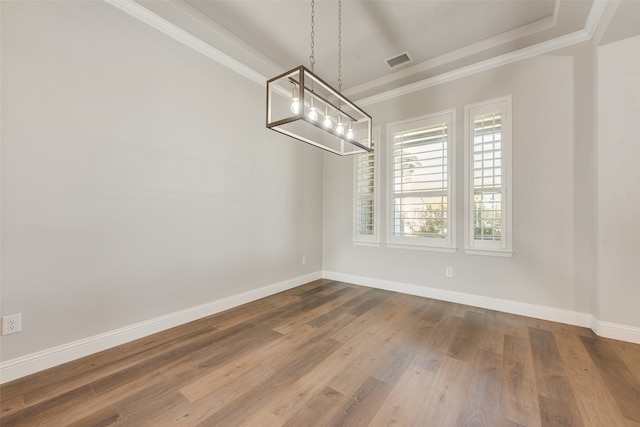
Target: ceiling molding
[[143, 14], [604, 21], [508, 58], [591, 26], [594, 21], [495, 41], [216, 32], [595, 16]]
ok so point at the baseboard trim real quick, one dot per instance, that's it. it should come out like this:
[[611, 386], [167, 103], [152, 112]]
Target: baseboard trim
[[603, 329], [617, 331], [41, 360]]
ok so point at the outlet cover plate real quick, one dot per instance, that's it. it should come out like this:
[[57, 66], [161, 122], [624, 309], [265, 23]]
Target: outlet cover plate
[[11, 324]]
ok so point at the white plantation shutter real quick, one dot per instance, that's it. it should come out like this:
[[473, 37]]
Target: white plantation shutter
[[487, 176], [365, 203], [488, 142], [421, 189]]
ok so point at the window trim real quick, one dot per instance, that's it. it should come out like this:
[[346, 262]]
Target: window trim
[[473, 246], [365, 239], [425, 243]]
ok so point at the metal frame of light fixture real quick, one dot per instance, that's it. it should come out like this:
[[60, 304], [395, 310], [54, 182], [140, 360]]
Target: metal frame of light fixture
[[298, 98], [354, 117]]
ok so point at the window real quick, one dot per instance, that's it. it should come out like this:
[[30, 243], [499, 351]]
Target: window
[[421, 195], [488, 177], [366, 199]]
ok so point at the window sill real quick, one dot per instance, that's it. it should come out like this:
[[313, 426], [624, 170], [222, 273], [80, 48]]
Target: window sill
[[484, 252], [369, 244], [423, 248]]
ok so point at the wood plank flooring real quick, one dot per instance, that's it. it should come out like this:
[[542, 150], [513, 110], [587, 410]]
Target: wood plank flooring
[[334, 354]]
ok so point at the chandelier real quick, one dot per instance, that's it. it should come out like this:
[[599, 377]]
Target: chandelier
[[303, 106]]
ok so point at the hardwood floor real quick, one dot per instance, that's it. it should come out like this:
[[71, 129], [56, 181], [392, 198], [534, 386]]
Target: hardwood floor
[[332, 354]]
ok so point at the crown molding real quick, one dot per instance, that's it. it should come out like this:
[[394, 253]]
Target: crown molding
[[592, 24], [481, 46], [192, 20], [498, 61], [595, 15], [143, 14], [604, 19]]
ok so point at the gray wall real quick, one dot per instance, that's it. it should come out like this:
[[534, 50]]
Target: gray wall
[[541, 270], [619, 181], [138, 178], [575, 204]]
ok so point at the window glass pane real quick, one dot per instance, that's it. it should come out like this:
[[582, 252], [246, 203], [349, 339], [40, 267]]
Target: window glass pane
[[365, 219], [421, 216], [487, 216]]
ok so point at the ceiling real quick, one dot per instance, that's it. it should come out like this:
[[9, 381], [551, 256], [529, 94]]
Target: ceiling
[[441, 36]]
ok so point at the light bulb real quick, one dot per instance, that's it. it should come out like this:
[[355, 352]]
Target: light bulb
[[327, 120], [350, 132], [295, 102], [313, 115], [295, 106], [339, 128]]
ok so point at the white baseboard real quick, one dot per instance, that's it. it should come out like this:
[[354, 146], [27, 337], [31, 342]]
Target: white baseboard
[[617, 331], [35, 362], [603, 329], [41, 360]]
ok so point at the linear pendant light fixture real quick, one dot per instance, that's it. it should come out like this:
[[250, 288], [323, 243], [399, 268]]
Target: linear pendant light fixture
[[302, 106]]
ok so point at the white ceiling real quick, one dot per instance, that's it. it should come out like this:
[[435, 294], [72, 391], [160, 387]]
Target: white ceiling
[[444, 37]]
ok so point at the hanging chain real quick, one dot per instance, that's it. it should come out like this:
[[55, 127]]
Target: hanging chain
[[340, 46], [312, 58]]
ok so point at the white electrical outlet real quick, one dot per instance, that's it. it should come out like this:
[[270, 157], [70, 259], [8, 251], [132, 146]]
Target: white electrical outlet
[[11, 324], [304, 260], [448, 271]]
